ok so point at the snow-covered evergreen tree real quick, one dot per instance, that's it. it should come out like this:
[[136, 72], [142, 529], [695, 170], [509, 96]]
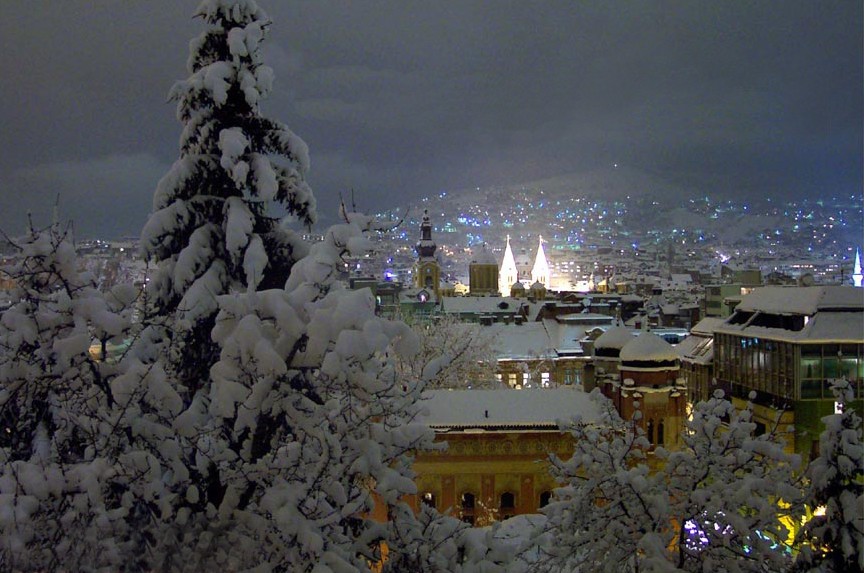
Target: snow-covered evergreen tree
[[212, 231], [304, 431], [57, 508], [833, 540], [276, 425], [714, 505]]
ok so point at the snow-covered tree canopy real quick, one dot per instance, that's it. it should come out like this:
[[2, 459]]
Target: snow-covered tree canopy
[[57, 508], [833, 539], [714, 505], [212, 231]]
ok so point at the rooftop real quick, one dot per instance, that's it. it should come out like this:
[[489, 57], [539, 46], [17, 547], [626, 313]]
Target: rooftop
[[648, 347], [502, 409]]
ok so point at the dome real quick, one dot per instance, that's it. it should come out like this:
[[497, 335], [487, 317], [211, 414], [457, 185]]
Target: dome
[[648, 347], [616, 338], [537, 286]]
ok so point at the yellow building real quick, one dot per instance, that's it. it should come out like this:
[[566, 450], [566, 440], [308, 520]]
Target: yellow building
[[483, 273], [496, 464]]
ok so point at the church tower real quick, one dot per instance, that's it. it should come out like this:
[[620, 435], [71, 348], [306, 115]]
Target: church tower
[[427, 273], [508, 274], [483, 273], [540, 272], [857, 275]]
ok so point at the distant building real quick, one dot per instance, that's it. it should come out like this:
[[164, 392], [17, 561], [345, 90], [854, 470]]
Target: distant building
[[744, 276], [857, 274], [508, 276], [540, 270], [720, 300], [483, 273], [647, 379], [427, 271], [697, 359]]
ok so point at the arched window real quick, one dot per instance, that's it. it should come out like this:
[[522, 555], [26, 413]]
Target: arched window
[[428, 498], [545, 497], [660, 435], [467, 502], [650, 431], [507, 505]]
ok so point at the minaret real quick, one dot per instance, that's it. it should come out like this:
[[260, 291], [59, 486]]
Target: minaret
[[508, 274], [857, 276], [427, 273], [540, 272]]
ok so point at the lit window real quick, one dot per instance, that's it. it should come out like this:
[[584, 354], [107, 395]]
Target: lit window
[[428, 498]]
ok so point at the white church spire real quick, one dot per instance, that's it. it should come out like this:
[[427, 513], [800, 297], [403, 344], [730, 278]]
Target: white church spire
[[857, 275], [540, 272], [508, 274]]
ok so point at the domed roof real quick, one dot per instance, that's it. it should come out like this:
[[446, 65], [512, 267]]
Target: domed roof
[[518, 285], [648, 347], [616, 337], [538, 286], [483, 256]]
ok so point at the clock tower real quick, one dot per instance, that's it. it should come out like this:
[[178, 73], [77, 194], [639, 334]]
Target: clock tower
[[427, 273]]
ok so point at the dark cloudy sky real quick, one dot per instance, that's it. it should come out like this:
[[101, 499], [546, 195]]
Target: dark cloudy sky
[[400, 99]]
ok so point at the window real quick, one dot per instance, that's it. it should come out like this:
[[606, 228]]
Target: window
[[660, 436], [650, 431], [507, 505], [428, 498], [545, 498], [467, 502]]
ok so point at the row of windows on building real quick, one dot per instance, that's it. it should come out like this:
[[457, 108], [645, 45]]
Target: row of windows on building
[[519, 380], [655, 433], [468, 504], [776, 367]]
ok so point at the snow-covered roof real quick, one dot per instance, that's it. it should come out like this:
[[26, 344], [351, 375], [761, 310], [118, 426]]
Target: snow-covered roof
[[616, 337], [707, 325], [836, 313], [648, 347], [569, 335], [480, 304], [586, 318], [528, 341], [696, 348], [540, 408], [670, 309], [488, 305], [802, 300], [836, 326], [824, 327]]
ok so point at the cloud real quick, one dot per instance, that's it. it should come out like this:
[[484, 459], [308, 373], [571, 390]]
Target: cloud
[[108, 196]]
